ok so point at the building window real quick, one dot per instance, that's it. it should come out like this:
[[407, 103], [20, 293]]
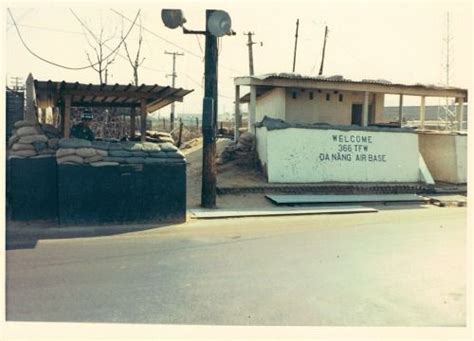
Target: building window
[[340, 98], [311, 95], [293, 94], [328, 97]]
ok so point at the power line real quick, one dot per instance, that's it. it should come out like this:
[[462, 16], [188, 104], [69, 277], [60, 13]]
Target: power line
[[174, 44], [49, 29], [63, 66]]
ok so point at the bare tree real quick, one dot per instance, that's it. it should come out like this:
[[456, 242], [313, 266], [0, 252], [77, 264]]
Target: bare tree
[[135, 63], [101, 61]]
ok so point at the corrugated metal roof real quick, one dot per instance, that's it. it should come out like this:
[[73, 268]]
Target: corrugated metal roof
[[50, 93], [339, 78]]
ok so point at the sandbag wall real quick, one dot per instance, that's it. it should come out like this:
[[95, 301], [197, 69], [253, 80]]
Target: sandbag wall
[[105, 182], [31, 172]]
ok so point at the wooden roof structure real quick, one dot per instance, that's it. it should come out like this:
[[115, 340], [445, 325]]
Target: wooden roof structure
[[52, 93], [65, 95]]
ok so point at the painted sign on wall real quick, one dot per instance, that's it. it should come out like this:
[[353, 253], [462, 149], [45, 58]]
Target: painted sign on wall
[[325, 155]]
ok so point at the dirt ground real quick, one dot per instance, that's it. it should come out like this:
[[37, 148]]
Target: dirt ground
[[228, 175]]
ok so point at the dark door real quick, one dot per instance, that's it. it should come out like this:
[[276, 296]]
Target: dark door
[[357, 114]]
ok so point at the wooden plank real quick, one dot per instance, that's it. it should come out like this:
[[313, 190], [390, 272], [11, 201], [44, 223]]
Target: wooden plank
[[67, 115], [201, 213], [143, 115], [340, 198]]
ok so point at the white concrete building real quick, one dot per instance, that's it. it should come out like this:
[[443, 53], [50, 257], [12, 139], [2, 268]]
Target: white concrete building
[[324, 129]]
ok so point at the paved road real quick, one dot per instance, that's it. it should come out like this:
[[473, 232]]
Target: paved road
[[398, 267]]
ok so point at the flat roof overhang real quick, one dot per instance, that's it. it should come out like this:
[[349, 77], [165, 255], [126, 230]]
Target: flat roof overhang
[[266, 84]]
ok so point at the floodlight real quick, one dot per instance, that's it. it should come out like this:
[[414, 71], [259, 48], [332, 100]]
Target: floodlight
[[172, 18], [219, 23]]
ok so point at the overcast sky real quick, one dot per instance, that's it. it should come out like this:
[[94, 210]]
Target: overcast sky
[[400, 41]]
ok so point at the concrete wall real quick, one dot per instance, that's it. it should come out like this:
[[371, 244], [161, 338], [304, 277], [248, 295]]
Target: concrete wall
[[302, 109], [271, 104], [445, 155], [279, 103], [297, 155]]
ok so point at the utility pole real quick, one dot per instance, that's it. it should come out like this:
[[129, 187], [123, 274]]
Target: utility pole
[[209, 170], [17, 83], [296, 43], [173, 77], [324, 51], [250, 43]]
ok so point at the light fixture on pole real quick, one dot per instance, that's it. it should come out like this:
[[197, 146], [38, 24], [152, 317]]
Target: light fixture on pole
[[218, 24]]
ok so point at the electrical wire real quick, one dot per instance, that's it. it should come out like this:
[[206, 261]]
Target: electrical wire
[[63, 66], [96, 39]]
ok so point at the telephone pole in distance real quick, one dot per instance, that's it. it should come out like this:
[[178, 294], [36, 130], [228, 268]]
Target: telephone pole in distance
[[173, 77]]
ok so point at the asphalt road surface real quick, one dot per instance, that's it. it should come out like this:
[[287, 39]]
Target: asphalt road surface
[[398, 267]]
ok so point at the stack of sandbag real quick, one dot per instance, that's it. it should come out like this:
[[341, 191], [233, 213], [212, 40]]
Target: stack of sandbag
[[158, 137], [77, 152], [107, 153], [243, 150], [53, 134], [143, 153], [29, 141]]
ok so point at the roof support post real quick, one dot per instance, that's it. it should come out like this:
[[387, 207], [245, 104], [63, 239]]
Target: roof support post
[[400, 110], [460, 113], [237, 116], [422, 113], [133, 114], [67, 116], [365, 110], [252, 108], [143, 115], [43, 115]]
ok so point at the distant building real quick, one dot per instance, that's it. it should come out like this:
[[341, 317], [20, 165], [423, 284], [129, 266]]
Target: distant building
[[326, 129]]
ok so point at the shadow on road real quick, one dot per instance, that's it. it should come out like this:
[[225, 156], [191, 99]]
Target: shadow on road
[[25, 235]]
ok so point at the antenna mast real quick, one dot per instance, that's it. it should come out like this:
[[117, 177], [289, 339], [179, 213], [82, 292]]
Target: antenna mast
[[296, 43]]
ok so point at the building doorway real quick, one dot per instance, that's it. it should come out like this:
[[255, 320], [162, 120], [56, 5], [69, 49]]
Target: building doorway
[[357, 114]]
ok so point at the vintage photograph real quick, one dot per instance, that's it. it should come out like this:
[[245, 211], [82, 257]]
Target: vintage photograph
[[238, 164]]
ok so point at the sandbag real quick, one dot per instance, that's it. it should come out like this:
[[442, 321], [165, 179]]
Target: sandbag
[[25, 152], [101, 145], [120, 153], [132, 146], [101, 152], [13, 139], [47, 151], [114, 159], [94, 158], [104, 164], [53, 143], [23, 146], [86, 152], [150, 147], [23, 123], [135, 160], [175, 155], [61, 152], [139, 154], [115, 146], [160, 155], [39, 146], [168, 147], [29, 130], [33, 138], [74, 143], [70, 158]]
